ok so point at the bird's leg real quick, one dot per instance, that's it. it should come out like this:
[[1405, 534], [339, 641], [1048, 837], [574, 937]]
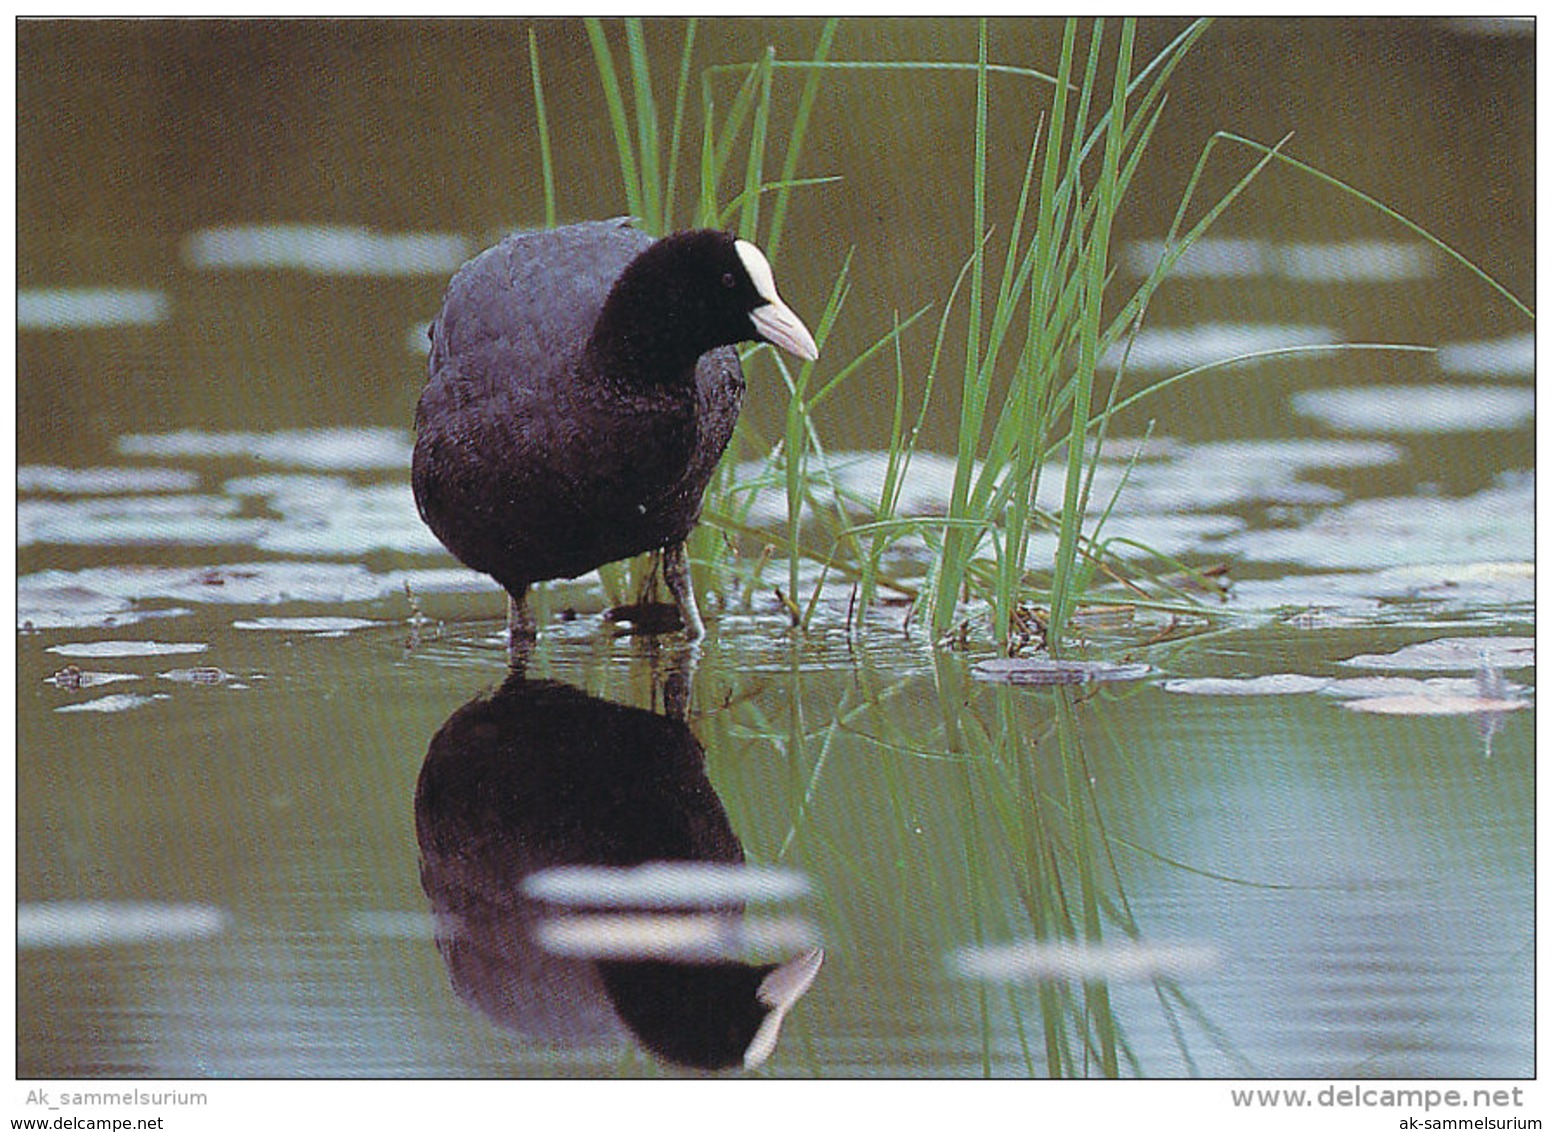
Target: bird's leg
[[676, 573], [522, 630]]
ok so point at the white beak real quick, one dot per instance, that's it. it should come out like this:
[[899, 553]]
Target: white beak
[[775, 320], [779, 993], [780, 327]]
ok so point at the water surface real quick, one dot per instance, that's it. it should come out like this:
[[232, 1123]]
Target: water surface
[[236, 643]]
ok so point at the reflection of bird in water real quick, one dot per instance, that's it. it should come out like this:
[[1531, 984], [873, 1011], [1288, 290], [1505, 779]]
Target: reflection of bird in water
[[583, 386], [539, 775]]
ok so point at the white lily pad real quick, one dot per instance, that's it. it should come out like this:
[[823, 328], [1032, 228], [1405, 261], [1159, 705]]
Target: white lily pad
[[114, 702], [1044, 671], [1177, 348], [1274, 684], [325, 626], [1420, 408], [1060, 960], [665, 884], [673, 936], [1439, 687], [1453, 654], [326, 249], [93, 923], [1513, 356], [1433, 705], [139, 520], [1495, 524], [340, 449], [128, 648], [1356, 261], [87, 308], [102, 481]]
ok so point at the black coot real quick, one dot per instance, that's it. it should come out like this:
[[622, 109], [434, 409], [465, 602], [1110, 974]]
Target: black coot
[[583, 384]]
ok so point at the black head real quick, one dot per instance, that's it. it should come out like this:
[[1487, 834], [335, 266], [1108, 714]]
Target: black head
[[692, 292]]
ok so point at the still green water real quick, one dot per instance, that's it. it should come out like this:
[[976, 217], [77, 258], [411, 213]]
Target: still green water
[[230, 237]]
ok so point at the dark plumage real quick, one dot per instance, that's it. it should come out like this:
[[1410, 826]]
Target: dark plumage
[[582, 387]]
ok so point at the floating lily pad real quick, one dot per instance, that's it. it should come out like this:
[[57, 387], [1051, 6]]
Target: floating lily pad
[[104, 591], [1433, 705], [86, 308], [1172, 479], [341, 449], [114, 702], [1184, 347], [1139, 537], [1235, 474], [1328, 600], [128, 648], [47, 604], [323, 626], [1438, 687], [1355, 261], [320, 515], [1344, 261], [87, 923], [665, 884], [1211, 257], [1046, 960], [1514, 356], [1494, 524], [1497, 583], [139, 520], [1454, 654], [1315, 618], [1420, 408], [1045, 671], [102, 481], [675, 937], [326, 249], [1275, 684]]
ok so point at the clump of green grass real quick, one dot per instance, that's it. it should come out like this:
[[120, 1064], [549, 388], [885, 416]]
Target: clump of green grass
[[1045, 323], [1050, 320]]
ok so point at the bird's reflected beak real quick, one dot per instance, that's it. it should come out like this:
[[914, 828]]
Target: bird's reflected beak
[[780, 327]]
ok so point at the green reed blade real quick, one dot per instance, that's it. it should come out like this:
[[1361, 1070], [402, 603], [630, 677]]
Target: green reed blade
[[630, 178], [546, 158], [797, 133], [676, 133], [648, 144]]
